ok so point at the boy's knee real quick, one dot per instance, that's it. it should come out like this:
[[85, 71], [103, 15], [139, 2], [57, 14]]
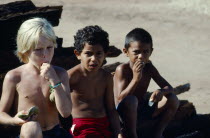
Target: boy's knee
[[173, 101], [130, 102], [31, 129]]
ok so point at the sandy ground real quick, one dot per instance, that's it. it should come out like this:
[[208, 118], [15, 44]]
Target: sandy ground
[[180, 30]]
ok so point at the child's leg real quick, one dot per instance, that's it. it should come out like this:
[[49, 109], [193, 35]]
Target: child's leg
[[127, 110], [167, 108], [31, 129]]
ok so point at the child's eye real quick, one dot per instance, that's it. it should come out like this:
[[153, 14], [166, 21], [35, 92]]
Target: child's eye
[[38, 49], [146, 51], [136, 52], [99, 53], [49, 47], [88, 54]]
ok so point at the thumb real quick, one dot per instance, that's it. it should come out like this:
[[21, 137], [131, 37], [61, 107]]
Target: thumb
[[152, 97]]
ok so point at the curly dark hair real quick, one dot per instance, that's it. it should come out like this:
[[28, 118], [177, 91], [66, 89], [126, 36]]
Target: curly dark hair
[[92, 35], [138, 34]]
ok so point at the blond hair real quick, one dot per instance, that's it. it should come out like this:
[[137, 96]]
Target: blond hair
[[28, 36]]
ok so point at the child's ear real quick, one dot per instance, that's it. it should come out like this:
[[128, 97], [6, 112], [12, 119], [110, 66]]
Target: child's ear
[[77, 53], [125, 51]]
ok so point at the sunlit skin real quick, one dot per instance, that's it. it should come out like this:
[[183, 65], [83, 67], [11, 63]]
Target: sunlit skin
[[133, 78], [92, 88], [28, 85]]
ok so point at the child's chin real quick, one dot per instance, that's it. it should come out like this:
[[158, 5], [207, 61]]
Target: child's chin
[[93, 69]]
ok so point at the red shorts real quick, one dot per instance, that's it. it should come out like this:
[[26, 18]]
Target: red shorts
[[91, 128]]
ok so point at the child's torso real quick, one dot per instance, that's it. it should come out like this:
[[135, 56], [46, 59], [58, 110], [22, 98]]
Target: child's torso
[[33, 90], [88, 97]]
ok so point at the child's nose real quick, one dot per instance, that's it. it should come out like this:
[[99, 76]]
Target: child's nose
[[44, 52], [140, 56], [93, 58]]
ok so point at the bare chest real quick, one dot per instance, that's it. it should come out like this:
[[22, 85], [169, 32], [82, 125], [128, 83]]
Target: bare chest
[[90, 88], [33, 89]]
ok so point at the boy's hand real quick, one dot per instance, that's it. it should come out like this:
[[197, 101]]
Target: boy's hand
[[120, 136], [47, 71], [137, 70], [18, 121], [156, 96]]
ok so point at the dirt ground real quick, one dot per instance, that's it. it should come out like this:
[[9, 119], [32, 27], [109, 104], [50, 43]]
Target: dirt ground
[[180, 31]]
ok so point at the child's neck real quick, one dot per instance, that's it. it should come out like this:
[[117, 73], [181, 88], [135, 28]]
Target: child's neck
[[34, 69], [86, 73]]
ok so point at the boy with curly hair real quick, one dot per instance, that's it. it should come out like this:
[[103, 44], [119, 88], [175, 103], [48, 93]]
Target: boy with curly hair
[[94, 113]]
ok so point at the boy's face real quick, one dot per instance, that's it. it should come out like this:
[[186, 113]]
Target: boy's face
[[91, 57], [42, 53], [138, 51]]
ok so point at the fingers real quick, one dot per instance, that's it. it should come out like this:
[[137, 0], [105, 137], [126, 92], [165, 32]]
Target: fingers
[[152, 97], [44, 69], [45, 66], [18, 120], [138, 66], [156, 96], [23, 112]]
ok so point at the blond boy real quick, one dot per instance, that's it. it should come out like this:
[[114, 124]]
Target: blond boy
[[29, 85]]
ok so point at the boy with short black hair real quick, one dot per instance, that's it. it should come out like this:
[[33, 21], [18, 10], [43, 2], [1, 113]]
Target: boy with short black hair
[[131, 81], [94, 113], [30, 85]]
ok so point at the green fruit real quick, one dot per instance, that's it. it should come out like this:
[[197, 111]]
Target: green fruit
[[32, 111], [24, 117]]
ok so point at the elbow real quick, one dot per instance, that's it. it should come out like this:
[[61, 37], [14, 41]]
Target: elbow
[[119, 98], [65, 114], [169, 88]]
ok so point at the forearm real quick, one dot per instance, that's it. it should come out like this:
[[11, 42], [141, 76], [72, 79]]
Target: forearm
[[166, 90], [62, 101], [115, 122], [6, 119], [128, 90]]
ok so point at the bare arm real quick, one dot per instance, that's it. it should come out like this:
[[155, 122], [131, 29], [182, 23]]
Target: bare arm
[[124, 88], [63, 97], [62, 92], [7, 98], [111, 110], [165, 87]]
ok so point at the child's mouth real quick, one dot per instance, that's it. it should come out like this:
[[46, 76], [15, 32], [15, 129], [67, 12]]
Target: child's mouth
[[93, 66]]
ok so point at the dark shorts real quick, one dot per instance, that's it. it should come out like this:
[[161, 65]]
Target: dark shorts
[[56, 132], [144, 111]]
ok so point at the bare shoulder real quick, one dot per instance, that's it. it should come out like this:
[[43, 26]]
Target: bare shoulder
[[14, 75], [74, 74], [60, 71], [73, 70], [123, 69]]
